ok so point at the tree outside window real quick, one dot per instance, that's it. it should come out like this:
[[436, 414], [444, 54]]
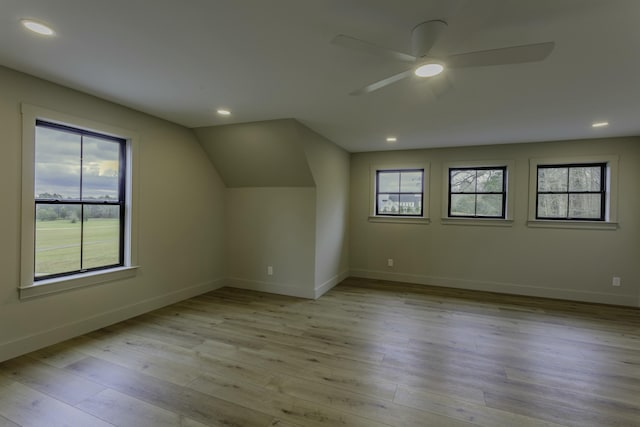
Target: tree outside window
[[571, 192], [477, 192]]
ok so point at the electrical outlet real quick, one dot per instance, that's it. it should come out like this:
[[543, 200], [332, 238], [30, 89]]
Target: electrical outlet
[[390, 262], [616, 281], [270, 270]]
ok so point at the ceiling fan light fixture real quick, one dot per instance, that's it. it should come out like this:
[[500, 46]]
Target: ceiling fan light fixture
[[37, 27], [429, 69]]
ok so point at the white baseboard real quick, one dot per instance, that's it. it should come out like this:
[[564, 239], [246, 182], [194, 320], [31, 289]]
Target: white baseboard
[[499, 287], [326, 286], [60, 333], [271, 287]]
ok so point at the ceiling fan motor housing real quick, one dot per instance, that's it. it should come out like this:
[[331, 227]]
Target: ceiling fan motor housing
[[424, 36]]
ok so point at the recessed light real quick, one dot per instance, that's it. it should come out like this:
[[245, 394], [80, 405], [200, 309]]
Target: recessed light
[[599, 124], [392, 139], [223, 112], [429, 69], [37, 27]]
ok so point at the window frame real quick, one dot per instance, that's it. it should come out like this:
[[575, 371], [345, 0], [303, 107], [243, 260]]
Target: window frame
[[399, 219], [611, 193], [509, 189], [476, 193], [82, 202], [399, 192], [602, 191], [29, 287]]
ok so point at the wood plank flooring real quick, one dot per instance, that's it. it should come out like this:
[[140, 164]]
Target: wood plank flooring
[[368, 353]]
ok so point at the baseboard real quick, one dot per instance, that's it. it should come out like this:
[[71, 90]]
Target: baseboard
[[271, 287], [11, 349], [326, 286], [499, 287]]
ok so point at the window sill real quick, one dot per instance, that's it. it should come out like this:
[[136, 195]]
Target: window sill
[[62, 284], [400, 220], [490, 222], [582, 225]]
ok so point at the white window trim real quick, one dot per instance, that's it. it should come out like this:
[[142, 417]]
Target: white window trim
[[424, 219], [611, 202], [29, 288], [507, 221]]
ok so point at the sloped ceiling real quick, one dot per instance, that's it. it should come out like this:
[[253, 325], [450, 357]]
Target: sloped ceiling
[[265, 60], [260, 154]]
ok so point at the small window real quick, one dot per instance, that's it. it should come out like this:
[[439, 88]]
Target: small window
[[400, 192], [80, 182], [571, 192], [478, 192]]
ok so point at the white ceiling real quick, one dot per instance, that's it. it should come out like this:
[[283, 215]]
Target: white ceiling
[[271, 59]]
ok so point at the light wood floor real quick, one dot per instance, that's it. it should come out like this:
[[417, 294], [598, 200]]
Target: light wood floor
[[366, 354]]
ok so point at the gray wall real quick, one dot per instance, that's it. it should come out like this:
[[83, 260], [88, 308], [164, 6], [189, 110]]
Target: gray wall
[[271, 227], [180, 236], [330, 168], [286, 206], [558, 263]]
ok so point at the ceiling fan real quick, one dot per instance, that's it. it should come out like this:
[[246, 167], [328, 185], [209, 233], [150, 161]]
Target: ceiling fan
[[423, 37]]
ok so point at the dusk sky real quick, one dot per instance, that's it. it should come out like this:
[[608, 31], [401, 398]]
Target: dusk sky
[[58, 164]]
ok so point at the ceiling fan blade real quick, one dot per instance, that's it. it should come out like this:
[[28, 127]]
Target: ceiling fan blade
[[382, 83], [501, 56], [440, 85], [370, 48]]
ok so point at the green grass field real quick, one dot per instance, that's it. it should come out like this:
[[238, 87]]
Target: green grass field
[[58, 245]]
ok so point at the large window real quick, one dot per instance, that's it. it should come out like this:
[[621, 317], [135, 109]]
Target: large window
[[477, 192], [79, 185], [571, 192], [399, 192]]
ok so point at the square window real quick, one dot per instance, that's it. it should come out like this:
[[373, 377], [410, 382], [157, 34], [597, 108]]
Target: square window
[[399, 192], [477, 192], [571, 192]]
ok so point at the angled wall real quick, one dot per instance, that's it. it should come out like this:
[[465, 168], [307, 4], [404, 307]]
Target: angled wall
[[257, 154], [286, 206], [180, 229], [330, 168]]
